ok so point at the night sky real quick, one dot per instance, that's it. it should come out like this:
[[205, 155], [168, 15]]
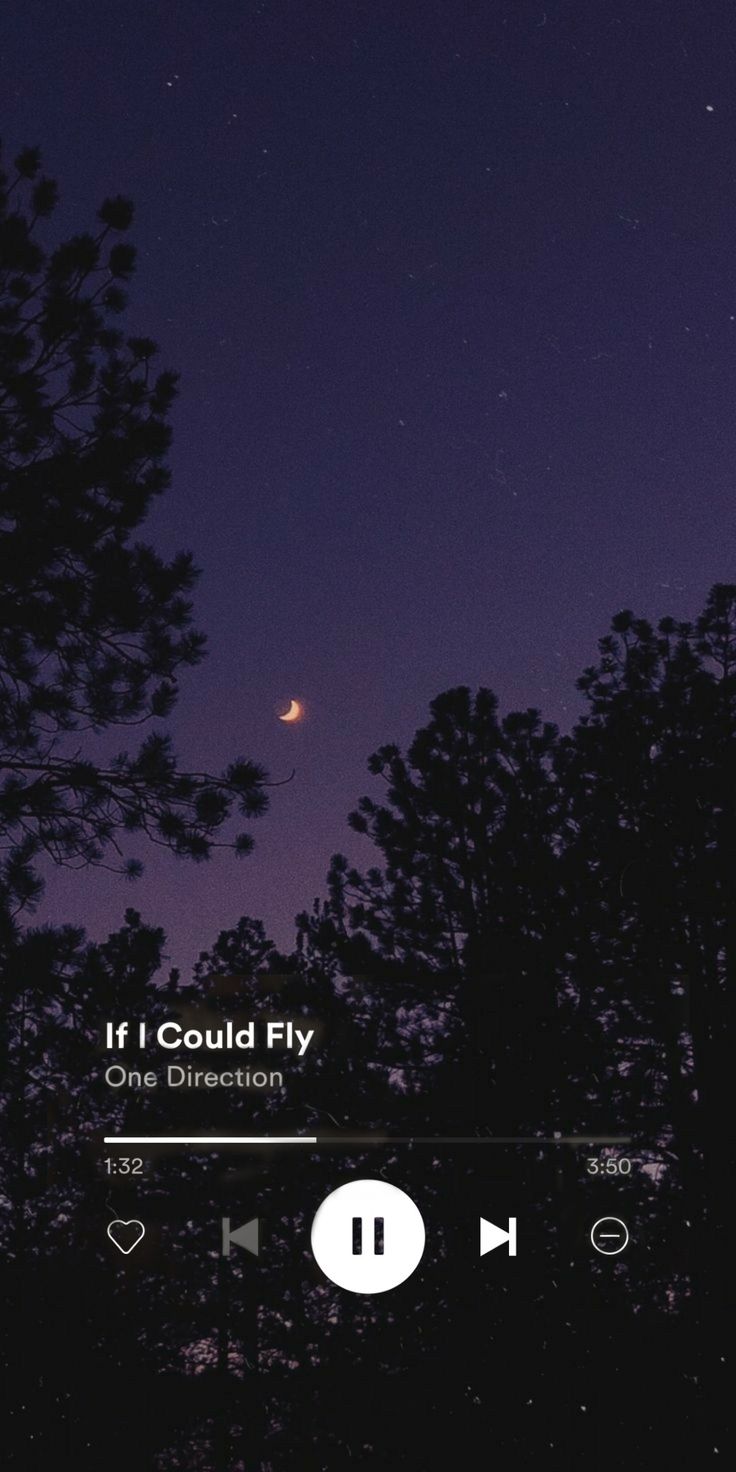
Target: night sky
[[452, 290]]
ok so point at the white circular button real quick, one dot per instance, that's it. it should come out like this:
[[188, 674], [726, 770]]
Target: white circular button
[[368, 1236]]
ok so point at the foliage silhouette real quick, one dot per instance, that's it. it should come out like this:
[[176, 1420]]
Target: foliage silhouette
[[95, 626], [545, 942], [544, 945]]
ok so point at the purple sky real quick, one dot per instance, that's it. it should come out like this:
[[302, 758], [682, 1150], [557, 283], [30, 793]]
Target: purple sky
[[451, 288]]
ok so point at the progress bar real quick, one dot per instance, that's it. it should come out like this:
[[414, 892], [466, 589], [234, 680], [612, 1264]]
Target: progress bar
[[367, 1139], [210, 1139]]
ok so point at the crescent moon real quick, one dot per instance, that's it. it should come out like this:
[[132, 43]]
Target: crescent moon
[[294, 712]]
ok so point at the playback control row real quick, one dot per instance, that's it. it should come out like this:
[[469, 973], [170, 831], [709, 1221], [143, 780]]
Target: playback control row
[[369, 1236]]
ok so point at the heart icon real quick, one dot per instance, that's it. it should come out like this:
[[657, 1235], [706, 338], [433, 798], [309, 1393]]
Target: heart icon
[[126, 1235]]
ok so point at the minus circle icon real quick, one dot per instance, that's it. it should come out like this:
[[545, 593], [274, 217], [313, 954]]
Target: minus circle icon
[[609, 1235]]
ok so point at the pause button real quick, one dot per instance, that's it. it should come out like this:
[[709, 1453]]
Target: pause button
[[368, 1236]]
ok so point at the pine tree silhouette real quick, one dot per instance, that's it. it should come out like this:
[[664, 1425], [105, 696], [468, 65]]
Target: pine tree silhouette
[[95, 627]]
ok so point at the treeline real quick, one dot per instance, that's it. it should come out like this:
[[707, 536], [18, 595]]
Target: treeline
[[544, 940]]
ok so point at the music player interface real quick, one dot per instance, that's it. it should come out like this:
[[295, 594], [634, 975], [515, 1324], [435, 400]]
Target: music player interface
[[367, 735], [336, 1184], [295, 1226]]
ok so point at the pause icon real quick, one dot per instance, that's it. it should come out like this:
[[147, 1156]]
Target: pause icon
[[358, 1235], [368, 1236]]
